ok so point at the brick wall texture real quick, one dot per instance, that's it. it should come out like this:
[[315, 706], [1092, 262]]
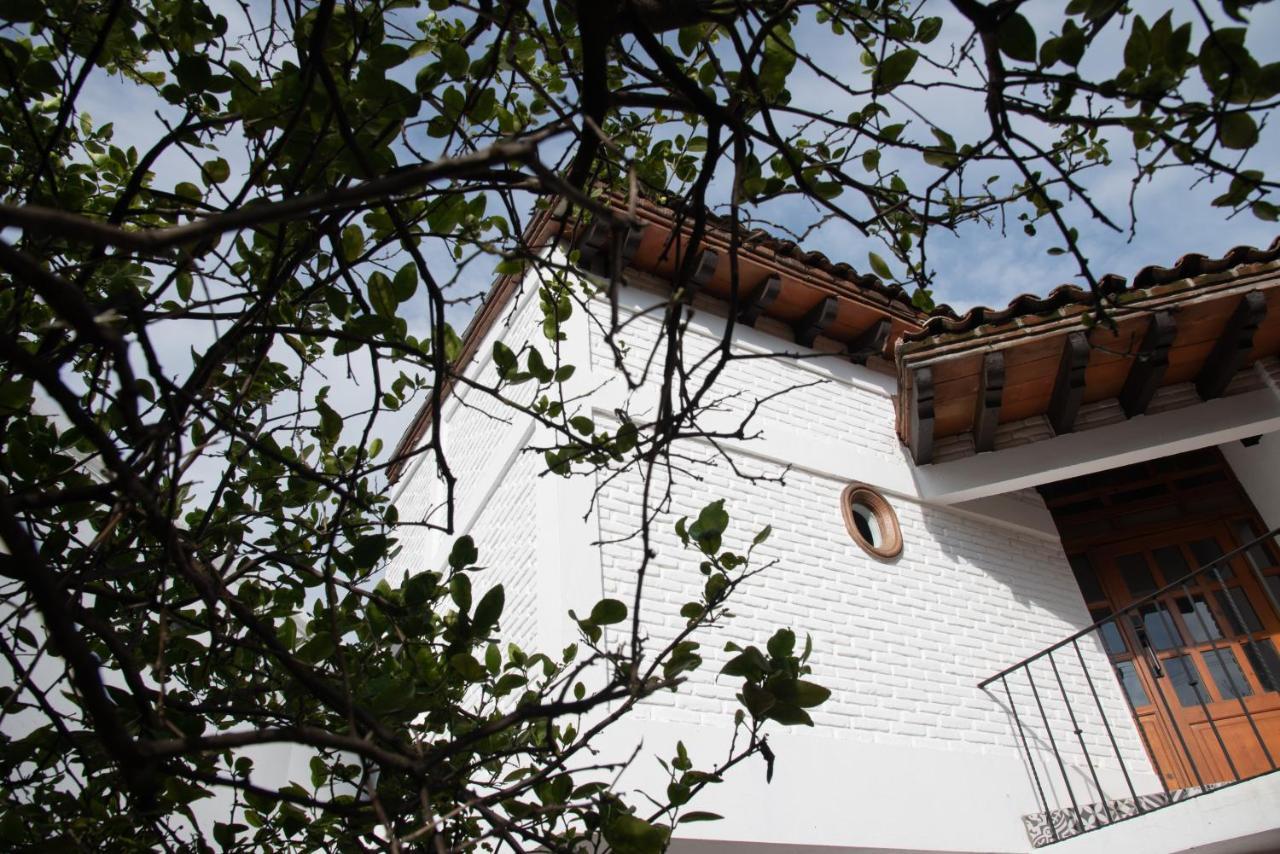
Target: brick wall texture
[[495, 489], [902, 643]]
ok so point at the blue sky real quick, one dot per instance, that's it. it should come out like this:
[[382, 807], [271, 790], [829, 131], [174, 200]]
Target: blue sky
[[979, 265]]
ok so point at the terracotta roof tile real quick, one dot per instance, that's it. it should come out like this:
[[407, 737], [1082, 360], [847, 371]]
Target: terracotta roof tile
[[759, 238], [944, 320]]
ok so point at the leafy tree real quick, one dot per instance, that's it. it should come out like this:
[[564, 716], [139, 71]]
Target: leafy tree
[[194, 521]]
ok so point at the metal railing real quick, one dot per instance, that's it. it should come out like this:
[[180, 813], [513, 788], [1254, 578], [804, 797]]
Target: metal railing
[[1076, 750]]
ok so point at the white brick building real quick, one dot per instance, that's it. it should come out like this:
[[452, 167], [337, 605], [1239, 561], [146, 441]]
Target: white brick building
[[910, 753]]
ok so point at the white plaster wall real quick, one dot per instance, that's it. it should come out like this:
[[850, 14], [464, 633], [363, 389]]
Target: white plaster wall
[[902, 643], [1257, 467], [495, 494], [909, 753]]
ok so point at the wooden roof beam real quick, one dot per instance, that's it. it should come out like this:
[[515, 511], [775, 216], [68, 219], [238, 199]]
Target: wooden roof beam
[[597, 245], [870, 342], [1233, 346], [631, 242], [1149, 364], [986, 410], [765, 294], [1068, 389], [920, 427], [819, 318], [705, 268]]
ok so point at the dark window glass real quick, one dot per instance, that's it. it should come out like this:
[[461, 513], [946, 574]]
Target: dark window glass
[[1198, 619], [1206, 552], [1136, 573], [1265, 662], [1133, 689], [1153, 618], [1226, 673], [1258, 555], [1086, 578], [1239, 611], [1185, 680], [1112, 641], [864, 527], [1171, 562]]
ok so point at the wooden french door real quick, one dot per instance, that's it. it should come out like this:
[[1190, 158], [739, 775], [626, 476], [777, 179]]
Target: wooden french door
[[1199, 661]]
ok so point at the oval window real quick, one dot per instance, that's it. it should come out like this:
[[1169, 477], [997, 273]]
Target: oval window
[[871, 521]]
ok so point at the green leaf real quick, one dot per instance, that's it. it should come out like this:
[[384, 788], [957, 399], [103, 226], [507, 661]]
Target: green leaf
[[504, 359], [471, 670], [419, 588], [927, 30], [879, 267], [710, 526], [893, 70], [1265, 211], [606, 612], [537, 367], [627, 834], [1137, 50], [779, 59], [215, 171], [352, 243], [464, 553], [489, 609], [690, 817], [456, 61], [798, 693], [809, 695], [1238, 130], [382, 295], [1017, 38], [406, 282], [460, 592], [782, 644], [757, 700], [789, 714], [749, 664], [330, 422]]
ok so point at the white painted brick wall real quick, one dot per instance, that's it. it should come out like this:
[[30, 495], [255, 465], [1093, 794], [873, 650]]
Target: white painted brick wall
[[495, 489], [904, 643], [820, 403]]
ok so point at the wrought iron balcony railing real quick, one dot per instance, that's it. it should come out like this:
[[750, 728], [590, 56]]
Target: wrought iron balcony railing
[[1191, 702]]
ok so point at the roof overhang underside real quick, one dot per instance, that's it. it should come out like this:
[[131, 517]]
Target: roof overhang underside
[[1175, 342], [821, 304]]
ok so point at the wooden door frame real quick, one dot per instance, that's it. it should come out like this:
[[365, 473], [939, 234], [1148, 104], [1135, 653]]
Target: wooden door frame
[[1172, 507], [1214, 711]]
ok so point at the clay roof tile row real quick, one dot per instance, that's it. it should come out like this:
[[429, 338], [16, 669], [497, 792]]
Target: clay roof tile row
[[944, 320]]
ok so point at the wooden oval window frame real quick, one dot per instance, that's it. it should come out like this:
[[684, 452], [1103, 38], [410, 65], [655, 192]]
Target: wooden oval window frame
[[881, 511]]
